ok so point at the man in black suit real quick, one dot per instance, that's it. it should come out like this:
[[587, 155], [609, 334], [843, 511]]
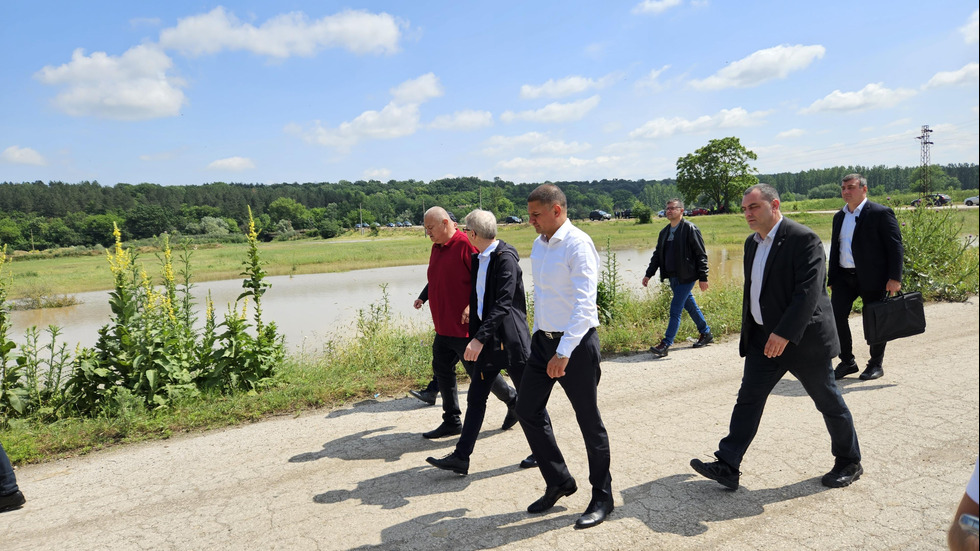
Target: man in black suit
[[787, 325], [865, 261]]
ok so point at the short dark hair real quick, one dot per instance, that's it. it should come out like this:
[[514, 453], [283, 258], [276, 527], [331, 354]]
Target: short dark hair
[[548, 194], [855, 176], [768, 192]]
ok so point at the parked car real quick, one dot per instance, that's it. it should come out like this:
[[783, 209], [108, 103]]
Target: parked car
[[511, 220], [661, 213], [971, 201], [391, 225], [700, 211], [935, 199], [599, 215]]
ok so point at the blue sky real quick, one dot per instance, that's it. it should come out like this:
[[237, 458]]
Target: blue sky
[[189, 92]]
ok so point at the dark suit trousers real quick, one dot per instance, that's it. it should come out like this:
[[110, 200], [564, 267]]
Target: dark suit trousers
[[759, 378], [446, 351], [579, 383], [842, 297], [476, 404]]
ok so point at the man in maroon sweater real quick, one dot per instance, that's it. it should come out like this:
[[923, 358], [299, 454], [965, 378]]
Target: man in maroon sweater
[[448, 294]]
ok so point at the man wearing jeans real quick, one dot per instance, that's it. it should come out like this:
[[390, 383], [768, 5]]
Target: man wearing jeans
[[10, 496], [681, 259]]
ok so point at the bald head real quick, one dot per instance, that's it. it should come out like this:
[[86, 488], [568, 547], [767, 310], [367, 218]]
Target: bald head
[[438, 226]]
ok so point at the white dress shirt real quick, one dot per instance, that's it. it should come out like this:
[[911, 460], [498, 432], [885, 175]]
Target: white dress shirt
[[759, 270], [847, 234], [481, 277], [566, 278]]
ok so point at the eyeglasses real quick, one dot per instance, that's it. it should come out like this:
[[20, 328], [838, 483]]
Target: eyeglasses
[[672, 208]]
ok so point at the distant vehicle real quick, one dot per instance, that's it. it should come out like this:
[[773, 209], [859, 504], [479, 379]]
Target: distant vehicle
[[391, 225], [661, 213], [599, 215], [971, 201], [511, 220], [700, 211], [359, 226], [935, 199]]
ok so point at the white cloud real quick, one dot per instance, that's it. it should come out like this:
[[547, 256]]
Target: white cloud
[[564, 87], [555, 112], [872, 96], [417, 90], [284, 35], [971, 31], [791, 133], [726, 118], [560, 147], [556, 168], [496, 145], [381, 174], [22, 156], [761, 66], [463, 120], [137, 22], [967, 75], [234, 164], [650, 82], [655, 7], [133, 86]]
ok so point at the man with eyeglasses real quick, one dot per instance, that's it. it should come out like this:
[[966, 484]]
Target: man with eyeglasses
[[865, 261], [682, 260]]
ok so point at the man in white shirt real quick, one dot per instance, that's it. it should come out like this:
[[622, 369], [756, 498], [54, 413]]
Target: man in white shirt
[[564, 349]]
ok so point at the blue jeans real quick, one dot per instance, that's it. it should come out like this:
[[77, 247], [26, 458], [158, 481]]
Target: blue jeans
[[8, 482], [683, 300]]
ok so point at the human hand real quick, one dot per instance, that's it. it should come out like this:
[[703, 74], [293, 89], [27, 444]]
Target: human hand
[[556, 367], [645, 281], [473, 349], [703, 285], [775, 346], [893, 286], [418, 303]]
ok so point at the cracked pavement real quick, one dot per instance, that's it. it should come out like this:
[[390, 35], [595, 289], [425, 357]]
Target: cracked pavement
[[356, 477]]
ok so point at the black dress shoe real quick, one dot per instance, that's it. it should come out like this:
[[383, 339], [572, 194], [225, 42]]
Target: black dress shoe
[[844, 369], [12, 501], [551, 496], [719, 471], [427, 396], [445, 429], [511, 418], [873, 371], [597, 512], [704, 340], [842, 475], [451, 462], [529, 462]]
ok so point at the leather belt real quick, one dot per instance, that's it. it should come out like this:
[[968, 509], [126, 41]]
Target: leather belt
[[552, 335]]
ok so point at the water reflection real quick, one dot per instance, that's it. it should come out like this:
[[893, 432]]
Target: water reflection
[[311, 309]]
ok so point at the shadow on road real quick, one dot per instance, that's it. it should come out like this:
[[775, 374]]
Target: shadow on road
[[791, 388], [389, 447]]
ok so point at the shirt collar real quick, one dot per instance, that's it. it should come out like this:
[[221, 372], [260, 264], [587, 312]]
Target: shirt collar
[[857, 211], [562, 232], [769, 236], [486, 252]]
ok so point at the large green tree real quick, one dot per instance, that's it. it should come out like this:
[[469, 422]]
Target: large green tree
[[719, 172]]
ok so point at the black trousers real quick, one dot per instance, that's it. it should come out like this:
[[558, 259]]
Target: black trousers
[[446, 351], [481, 383], [579, 383], [759, 377], [842, 297]]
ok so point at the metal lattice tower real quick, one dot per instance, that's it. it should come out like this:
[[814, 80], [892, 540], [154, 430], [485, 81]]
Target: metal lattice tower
[[924, 159]]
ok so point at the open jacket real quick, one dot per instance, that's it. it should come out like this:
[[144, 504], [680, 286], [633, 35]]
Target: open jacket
[[876, 247], [503, 327], [691, 259]]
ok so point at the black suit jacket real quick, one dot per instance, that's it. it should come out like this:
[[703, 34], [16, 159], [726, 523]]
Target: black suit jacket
[[794, 300], [503, 327], [691, 260], [876, 246]]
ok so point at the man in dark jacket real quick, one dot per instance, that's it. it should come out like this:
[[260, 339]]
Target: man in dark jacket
[[498, 325], [865, 261], [681, 259]]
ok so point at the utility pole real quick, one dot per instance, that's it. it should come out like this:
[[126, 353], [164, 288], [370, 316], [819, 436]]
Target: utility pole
[[360, 216], [924, 160]]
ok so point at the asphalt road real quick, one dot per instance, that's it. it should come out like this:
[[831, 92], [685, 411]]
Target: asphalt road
[[356, 477]]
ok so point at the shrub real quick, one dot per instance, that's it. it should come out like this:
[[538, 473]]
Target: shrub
[[937, 262]]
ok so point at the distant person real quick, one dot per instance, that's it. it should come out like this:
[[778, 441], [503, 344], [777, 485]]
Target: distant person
[[866, 257], [448, 292], [682, 260], [498, 326], [10, 495], [564, 349], [957, 538], [787, 325]]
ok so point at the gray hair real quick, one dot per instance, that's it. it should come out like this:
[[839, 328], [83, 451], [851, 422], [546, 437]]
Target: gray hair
[[483, 223], [855, 176], [767, 192], [675, 200]]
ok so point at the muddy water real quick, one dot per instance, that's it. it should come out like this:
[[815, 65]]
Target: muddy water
[[311, 309]]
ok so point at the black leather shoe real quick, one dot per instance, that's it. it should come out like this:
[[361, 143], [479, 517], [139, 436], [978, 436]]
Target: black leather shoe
[[511, 418], [451, 462], [529, 462], [445, 429], [704, 340], [872, 372], [427, 396], [842, 476], [595, 514], [660, 350], [844, 369], [13, 501], [551, 496], [719, 471]]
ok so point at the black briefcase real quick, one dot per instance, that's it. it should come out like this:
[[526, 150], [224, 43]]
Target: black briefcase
[[893, 318]]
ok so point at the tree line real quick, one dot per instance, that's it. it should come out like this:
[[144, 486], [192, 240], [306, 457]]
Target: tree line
[[39, 215]]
